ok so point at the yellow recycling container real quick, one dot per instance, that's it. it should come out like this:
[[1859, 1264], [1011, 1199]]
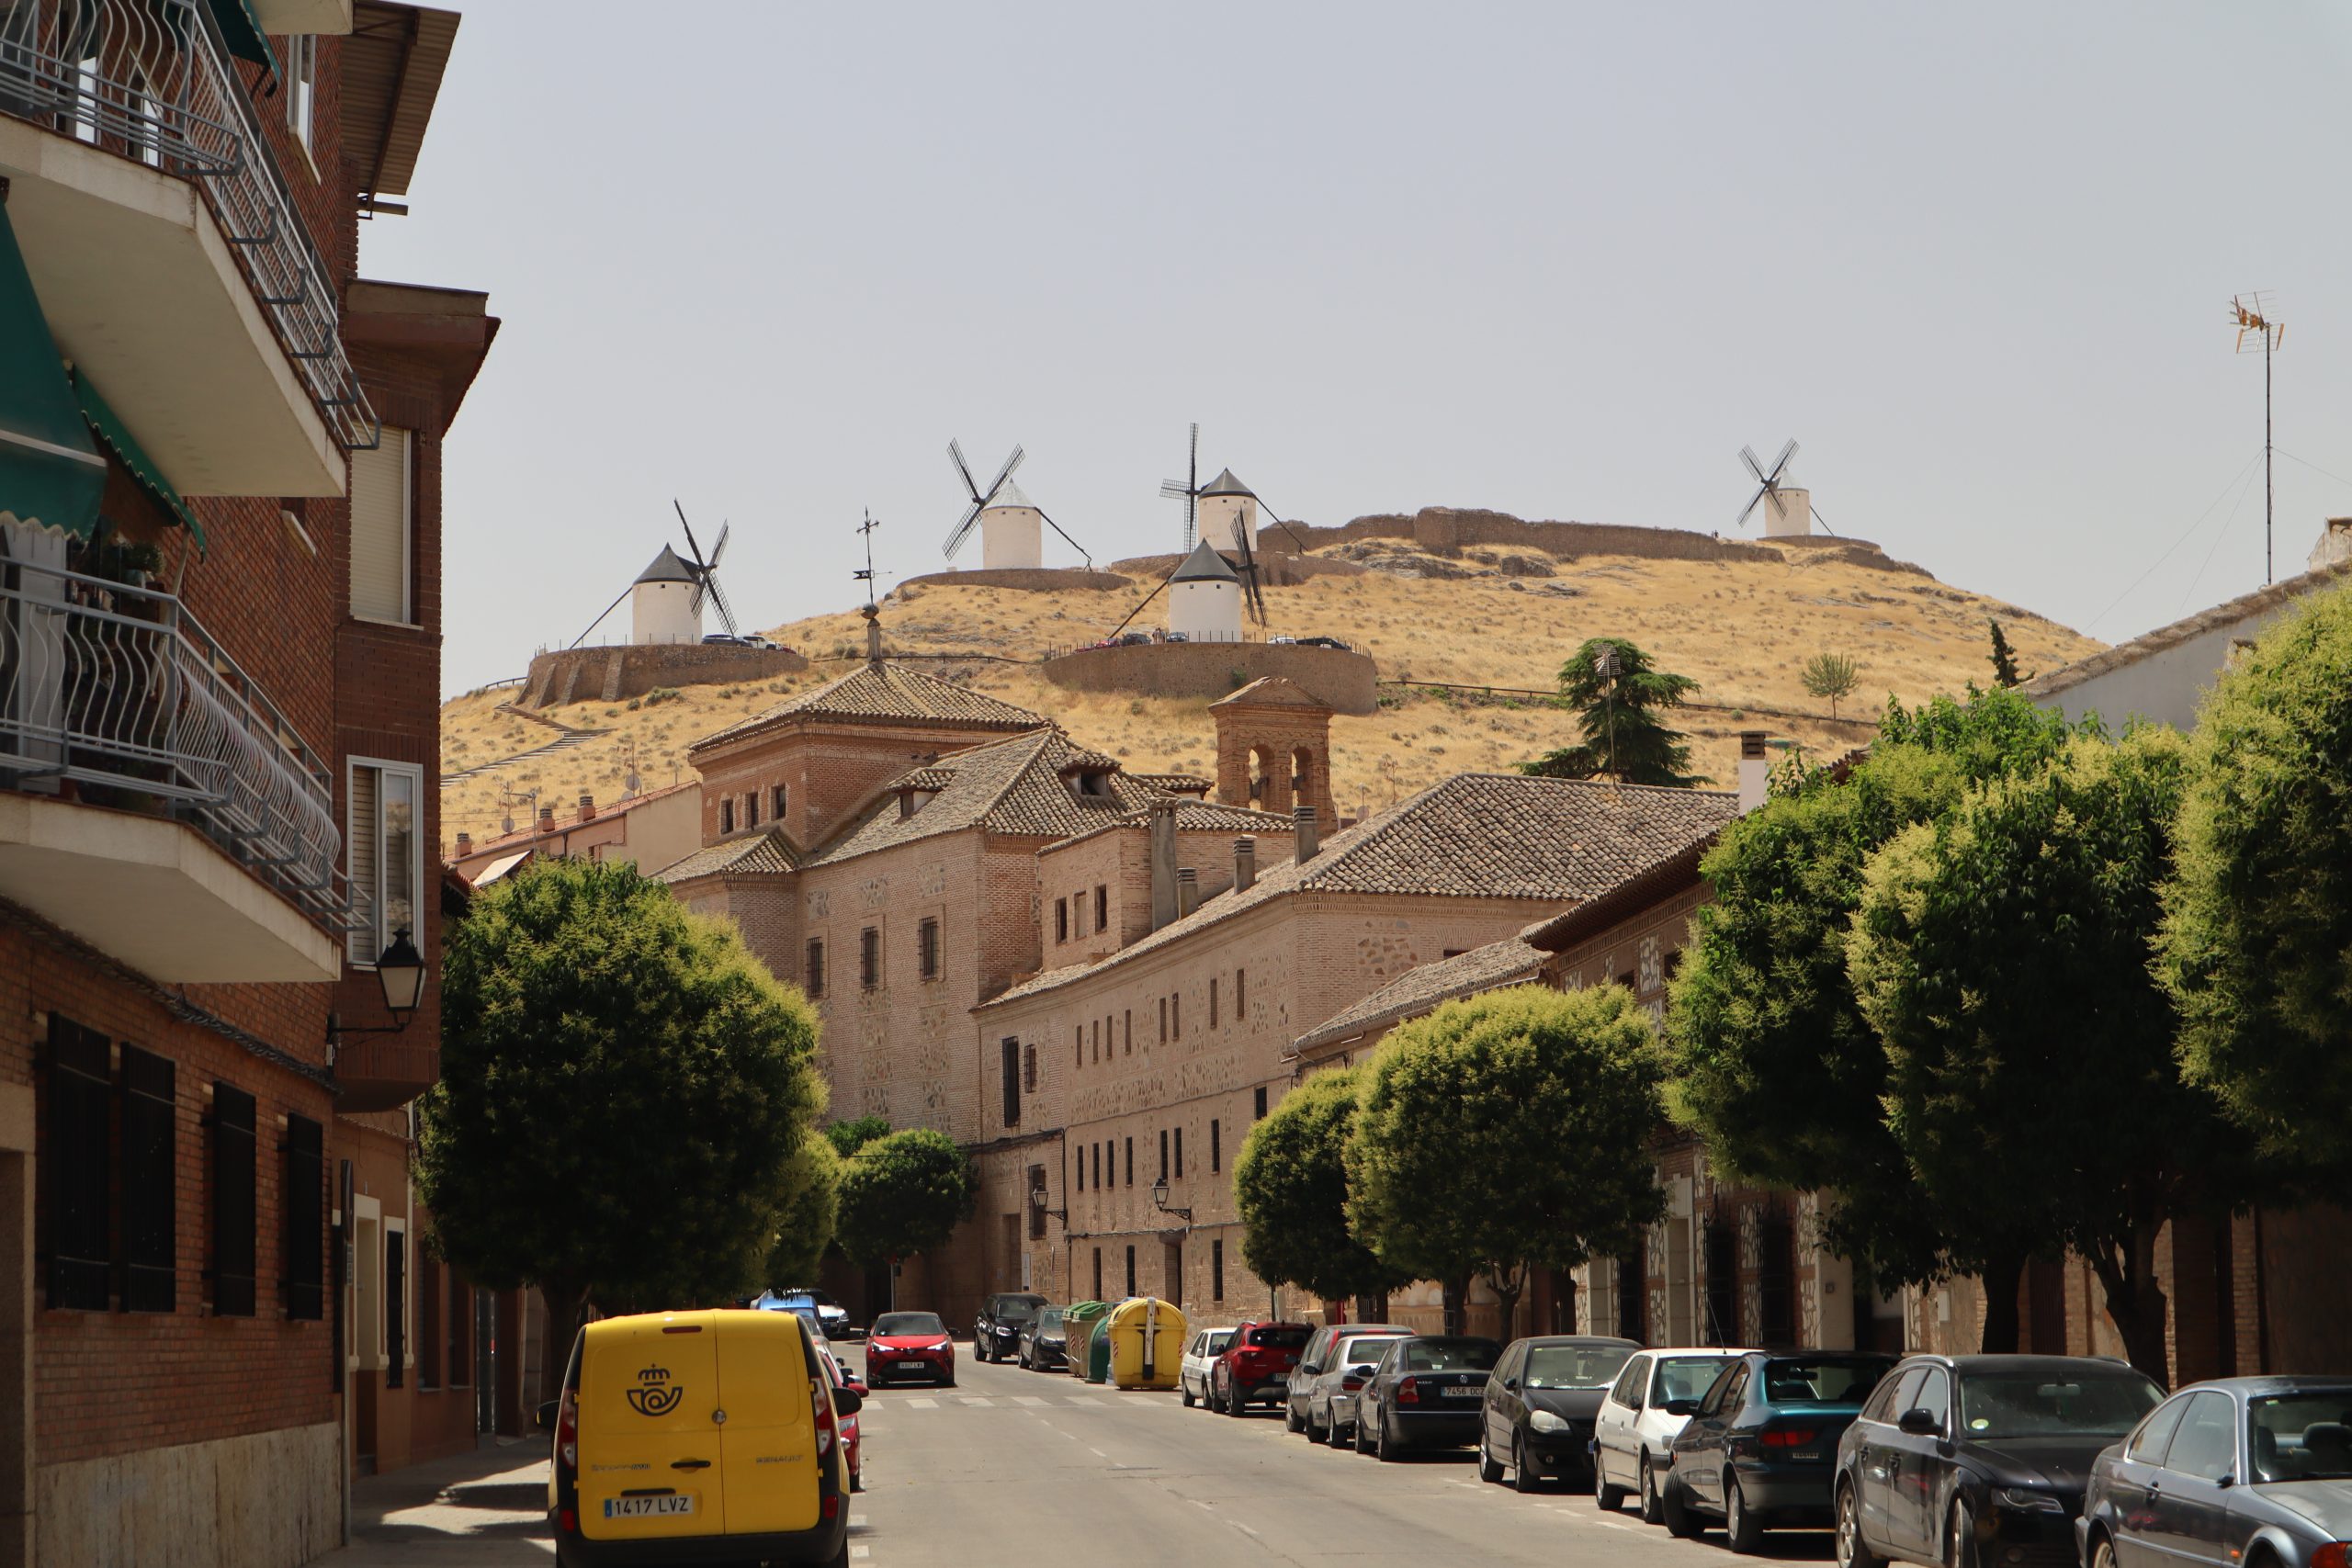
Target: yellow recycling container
[[1146, 1342]]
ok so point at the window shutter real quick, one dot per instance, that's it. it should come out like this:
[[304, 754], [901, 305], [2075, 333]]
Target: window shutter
[[306, 1219], [1011, 1049], [380, 531], [395, 1308], [360, 854], [74, 1167], [232, 1202], [150, 1182]]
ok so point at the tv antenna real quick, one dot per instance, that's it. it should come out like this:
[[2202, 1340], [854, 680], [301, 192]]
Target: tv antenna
[[867, 527], [706, 573], [2251, 314], [983, 499], [1189, 490]]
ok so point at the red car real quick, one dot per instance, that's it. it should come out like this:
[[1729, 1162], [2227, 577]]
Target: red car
[[910, 1345], [1257, 1365], [839, 1375]]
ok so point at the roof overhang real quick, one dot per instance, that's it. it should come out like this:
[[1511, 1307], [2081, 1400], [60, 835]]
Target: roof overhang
[[451, 329], [392, 64]]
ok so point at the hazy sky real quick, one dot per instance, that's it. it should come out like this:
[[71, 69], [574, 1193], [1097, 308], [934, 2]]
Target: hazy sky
[[1561, 260]]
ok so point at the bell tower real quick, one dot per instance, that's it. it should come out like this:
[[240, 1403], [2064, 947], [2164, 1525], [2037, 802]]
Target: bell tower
[[1273, 749]]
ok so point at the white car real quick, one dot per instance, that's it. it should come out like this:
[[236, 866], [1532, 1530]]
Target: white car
[[1645, 1411], [1192, 1375]]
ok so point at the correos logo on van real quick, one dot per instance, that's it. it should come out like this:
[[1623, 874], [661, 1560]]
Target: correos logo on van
[[655, 1394]]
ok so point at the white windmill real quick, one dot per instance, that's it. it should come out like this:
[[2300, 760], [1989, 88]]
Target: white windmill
[[1008, 520], [1789, 513], [666, 600]]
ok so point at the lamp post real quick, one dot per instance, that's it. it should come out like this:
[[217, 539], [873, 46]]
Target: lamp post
[[400, 970]]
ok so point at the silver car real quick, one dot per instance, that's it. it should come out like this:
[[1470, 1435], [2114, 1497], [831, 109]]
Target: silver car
[[1331, 1414], [1199, 1354], [2239, 1471]]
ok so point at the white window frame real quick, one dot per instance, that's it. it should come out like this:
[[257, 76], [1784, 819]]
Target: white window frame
[[303, 93], [415, 774]]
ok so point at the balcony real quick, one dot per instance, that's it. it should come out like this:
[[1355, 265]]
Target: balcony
[[152, 802], [169, 256]]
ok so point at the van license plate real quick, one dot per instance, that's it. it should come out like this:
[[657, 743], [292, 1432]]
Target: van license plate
[[648, 1507]]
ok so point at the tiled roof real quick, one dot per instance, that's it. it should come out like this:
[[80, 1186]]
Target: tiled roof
[[2244, 607], [531, 831], [887, 693], [1418, 991], [1176, 784], [1193, 816], [1271, 692], [760, 854], [1473, 836], [1006, 786]]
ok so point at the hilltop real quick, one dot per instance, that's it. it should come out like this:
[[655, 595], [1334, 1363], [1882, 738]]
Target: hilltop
[[1502, 615]]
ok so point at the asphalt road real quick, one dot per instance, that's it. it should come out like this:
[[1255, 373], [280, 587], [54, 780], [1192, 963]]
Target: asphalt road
[[1014, 1468]]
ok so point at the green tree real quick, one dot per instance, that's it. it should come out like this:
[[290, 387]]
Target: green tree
[[2004, 662], [1618, 697], [806, 1218], [1773, 1066], [848, 1137], [1290, 1187], [2258, 936], [905, 1193], [1504, 1133], [1831, 676], [2001, 954], [622, 1088]]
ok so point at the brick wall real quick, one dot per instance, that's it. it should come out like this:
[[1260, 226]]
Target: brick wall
[[830, 771]]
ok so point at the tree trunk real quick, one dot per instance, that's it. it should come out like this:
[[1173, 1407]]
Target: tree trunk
[[2127, 1275], [1509, 1288], [2001, 1276], [1373, 1308], [564, 1299], [1455, 1295]]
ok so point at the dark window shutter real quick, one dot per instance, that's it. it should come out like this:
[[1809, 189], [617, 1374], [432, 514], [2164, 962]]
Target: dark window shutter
[[232, 1202], [395, 1308], [1722, 1282], [1011, 1049], [1633, 1298], [73, 1167], [150, 1182], [306, 1219], [1776, 1282]]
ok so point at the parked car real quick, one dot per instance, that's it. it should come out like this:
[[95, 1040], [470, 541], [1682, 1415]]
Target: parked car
[[2241, 1471], [1041, 1346], [1317, 1358], [1135, 639], [638, 1470], [1256, 1365], [1641, 1417], [832, 1318], [1282, 642], [910, 1344], [1324, 642], [1424, 1392], [1970, 1459], [721, 639], [1200, 1358], [995, 1334], [1178, 637], [1758, 1453], [1331, 1392], [843, 1378], [1540, 1406]]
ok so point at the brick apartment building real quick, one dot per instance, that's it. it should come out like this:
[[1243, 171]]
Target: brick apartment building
[[219, 633], [657, 827]]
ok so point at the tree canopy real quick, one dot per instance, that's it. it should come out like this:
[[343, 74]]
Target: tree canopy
[[1290, 1187], [848, 1137], [1832, 676], [2257, 946], [1618, 697], [622, 1087], [1507, 1131], [905, 1193], [806, 1218], [2003, 660]]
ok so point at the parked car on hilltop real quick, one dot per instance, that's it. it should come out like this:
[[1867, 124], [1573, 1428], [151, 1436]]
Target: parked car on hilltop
[[1041, 1345], [1331, 1392], [1760, 1451], [2254, 1471], [1980, 1458], [910, 1344], [1641, 1417], [995, 1334], [1324, 642], [1424, 1392], [1256, 1365], [1540, 1406], [1317, 1357], [1200, 1358]]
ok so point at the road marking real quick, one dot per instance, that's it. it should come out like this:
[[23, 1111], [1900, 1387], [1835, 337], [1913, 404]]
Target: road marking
[[983, 1403], [1612, 1525], [1028, 1399], [1205, 1507], [858, 1521], [861, 1551], [1098, 1453], [922, 1404], [1090, 1404], [1245, 1529]]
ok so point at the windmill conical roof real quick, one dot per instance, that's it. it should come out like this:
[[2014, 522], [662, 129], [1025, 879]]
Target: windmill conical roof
[[1010, 495], [1203, 565], [667, 568], [1226, 484]]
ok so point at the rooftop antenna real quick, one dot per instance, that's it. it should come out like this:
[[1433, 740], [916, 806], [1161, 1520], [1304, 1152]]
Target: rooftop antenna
[[2251, 314], [867, 527], [1189, 490], [706, 572]]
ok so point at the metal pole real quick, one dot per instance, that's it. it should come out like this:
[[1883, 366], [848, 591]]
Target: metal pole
[[2269, 573]]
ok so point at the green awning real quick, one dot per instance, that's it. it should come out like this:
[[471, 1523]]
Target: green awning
[[108, 428], [50, 472], [241, 29]]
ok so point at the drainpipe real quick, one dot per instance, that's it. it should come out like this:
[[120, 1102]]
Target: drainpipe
[[1303, 818]]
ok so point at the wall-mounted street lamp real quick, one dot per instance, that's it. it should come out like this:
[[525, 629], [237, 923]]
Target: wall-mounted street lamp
[[400, 970], [1159, 1201], [1037, 1202]]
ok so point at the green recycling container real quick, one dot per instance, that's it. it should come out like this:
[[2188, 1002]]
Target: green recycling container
[[1080, 1323]]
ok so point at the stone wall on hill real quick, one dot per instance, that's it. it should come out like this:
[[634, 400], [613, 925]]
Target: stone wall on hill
[[1346, 680], [1445, 530], [631, 670], [1027, 579]]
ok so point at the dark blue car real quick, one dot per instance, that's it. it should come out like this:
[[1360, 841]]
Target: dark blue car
[[1761, 1451], [1426, 1391]]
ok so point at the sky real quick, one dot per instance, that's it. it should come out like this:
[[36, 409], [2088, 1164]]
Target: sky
[[1561, 260]]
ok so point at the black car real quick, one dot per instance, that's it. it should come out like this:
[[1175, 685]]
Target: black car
[[995, 1334], [1425, 1392], [1539, 1407], [1757, 1453], [1324, 642], [2239, 1471], [1043, 1346], [1973, 1459]]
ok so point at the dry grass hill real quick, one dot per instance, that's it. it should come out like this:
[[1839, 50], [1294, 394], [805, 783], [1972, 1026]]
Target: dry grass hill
[[1742, 628]]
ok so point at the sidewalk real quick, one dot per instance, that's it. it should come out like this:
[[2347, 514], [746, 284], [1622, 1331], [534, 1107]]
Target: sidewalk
[[487, 1507]]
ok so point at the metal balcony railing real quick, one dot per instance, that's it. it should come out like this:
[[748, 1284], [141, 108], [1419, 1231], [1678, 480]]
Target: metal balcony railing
[[120, 690], [153, 80]]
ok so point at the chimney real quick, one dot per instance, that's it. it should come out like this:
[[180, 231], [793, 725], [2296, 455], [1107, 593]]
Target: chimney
[[1755, 769], [873, 636], [465, 845], [547, 818], [1245, 863], [587, 808], [1188, 892], [1305, 817], [1163, 862]]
